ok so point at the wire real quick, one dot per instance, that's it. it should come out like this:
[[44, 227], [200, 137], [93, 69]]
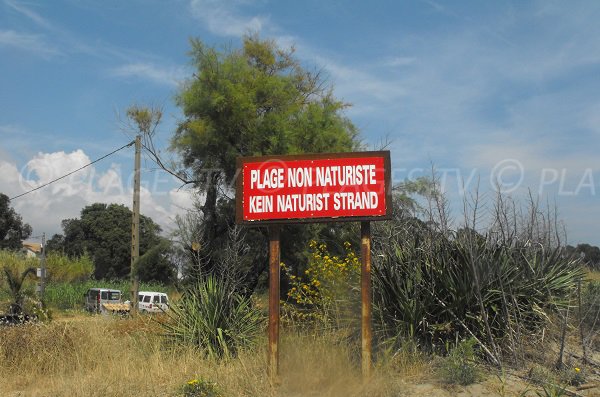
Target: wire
[[72, 172]]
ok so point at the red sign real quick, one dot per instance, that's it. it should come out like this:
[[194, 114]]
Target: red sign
[[319, 187]]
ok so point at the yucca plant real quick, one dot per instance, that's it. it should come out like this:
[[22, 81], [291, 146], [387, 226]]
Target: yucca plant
[[436, 286], [15, 281], [213, 318], [15, 270]]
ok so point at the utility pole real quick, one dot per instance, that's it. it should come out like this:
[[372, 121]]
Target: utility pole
[[43, 268], [135, 227]]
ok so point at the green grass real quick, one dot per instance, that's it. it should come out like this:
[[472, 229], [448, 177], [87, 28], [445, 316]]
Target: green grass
[[460, 367]]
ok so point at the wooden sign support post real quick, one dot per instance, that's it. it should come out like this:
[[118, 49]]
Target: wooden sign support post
[[274, 265], [323, 187], [365, 281]]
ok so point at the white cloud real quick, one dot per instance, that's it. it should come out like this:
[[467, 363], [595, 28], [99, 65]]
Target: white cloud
[[356, 82], [591, 118], [536, 159], [171, 76], [28, 42], [49, 166], [35, 17], [44, 209], [61, 41], [10, 178], [399, 61], [222, 17], [181, 198], [10, 129]]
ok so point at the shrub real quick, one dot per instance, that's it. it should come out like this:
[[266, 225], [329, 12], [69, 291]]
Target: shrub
[[573, 376], [201, 388], [213, 318], [62, 268], [459, 367], [432, 285], [327, 289], [590, 310], [17, 274]]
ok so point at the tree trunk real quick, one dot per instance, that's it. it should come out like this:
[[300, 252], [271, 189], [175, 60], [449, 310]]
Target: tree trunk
[[209, 209]]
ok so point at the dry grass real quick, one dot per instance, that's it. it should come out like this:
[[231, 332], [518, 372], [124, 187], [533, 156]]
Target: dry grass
[[82, 355], [592, 275], [105, 356]]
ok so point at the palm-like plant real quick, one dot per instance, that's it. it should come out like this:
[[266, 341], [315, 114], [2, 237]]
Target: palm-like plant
[[432, 286], [15, 281], [213, 318]]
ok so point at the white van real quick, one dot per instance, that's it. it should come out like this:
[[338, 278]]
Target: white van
[[152, 302], [96, 298]]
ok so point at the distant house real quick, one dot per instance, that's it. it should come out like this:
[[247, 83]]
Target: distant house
[[32, 250]]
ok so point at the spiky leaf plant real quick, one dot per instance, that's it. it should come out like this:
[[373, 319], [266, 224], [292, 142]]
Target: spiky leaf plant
[[433, 287], [213, 318]]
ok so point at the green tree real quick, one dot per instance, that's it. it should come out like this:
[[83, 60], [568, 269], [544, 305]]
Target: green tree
[[590, 254], [104, 233], [12, 229], [257, 100], [156, 265]]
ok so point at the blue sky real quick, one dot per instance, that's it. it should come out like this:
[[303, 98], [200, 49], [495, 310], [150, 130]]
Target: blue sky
[[481, 90]]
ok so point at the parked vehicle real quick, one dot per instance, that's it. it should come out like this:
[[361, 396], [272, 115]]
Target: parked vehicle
[[152, 302], [104, 300]]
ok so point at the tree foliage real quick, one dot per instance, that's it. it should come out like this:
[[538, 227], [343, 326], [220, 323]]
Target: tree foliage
[[590, 254], [104, 233], [256, 100], [12, 229]]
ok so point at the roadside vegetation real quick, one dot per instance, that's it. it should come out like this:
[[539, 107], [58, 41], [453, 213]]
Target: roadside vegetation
[[452, 311], [493, 303]]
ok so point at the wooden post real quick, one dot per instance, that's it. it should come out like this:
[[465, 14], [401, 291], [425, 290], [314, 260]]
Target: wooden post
[[365, 281], [274, 265], [43, 270], [135, 227]]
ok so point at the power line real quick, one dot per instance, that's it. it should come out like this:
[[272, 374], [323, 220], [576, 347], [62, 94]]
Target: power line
[[72, 172]]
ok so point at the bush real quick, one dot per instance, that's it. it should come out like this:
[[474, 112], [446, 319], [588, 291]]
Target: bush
[[61, 268], [590, 310], [433, 286], [327, 291], [17, 282], [459, 367], [213, 318], [201, 388], [573, 376]]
